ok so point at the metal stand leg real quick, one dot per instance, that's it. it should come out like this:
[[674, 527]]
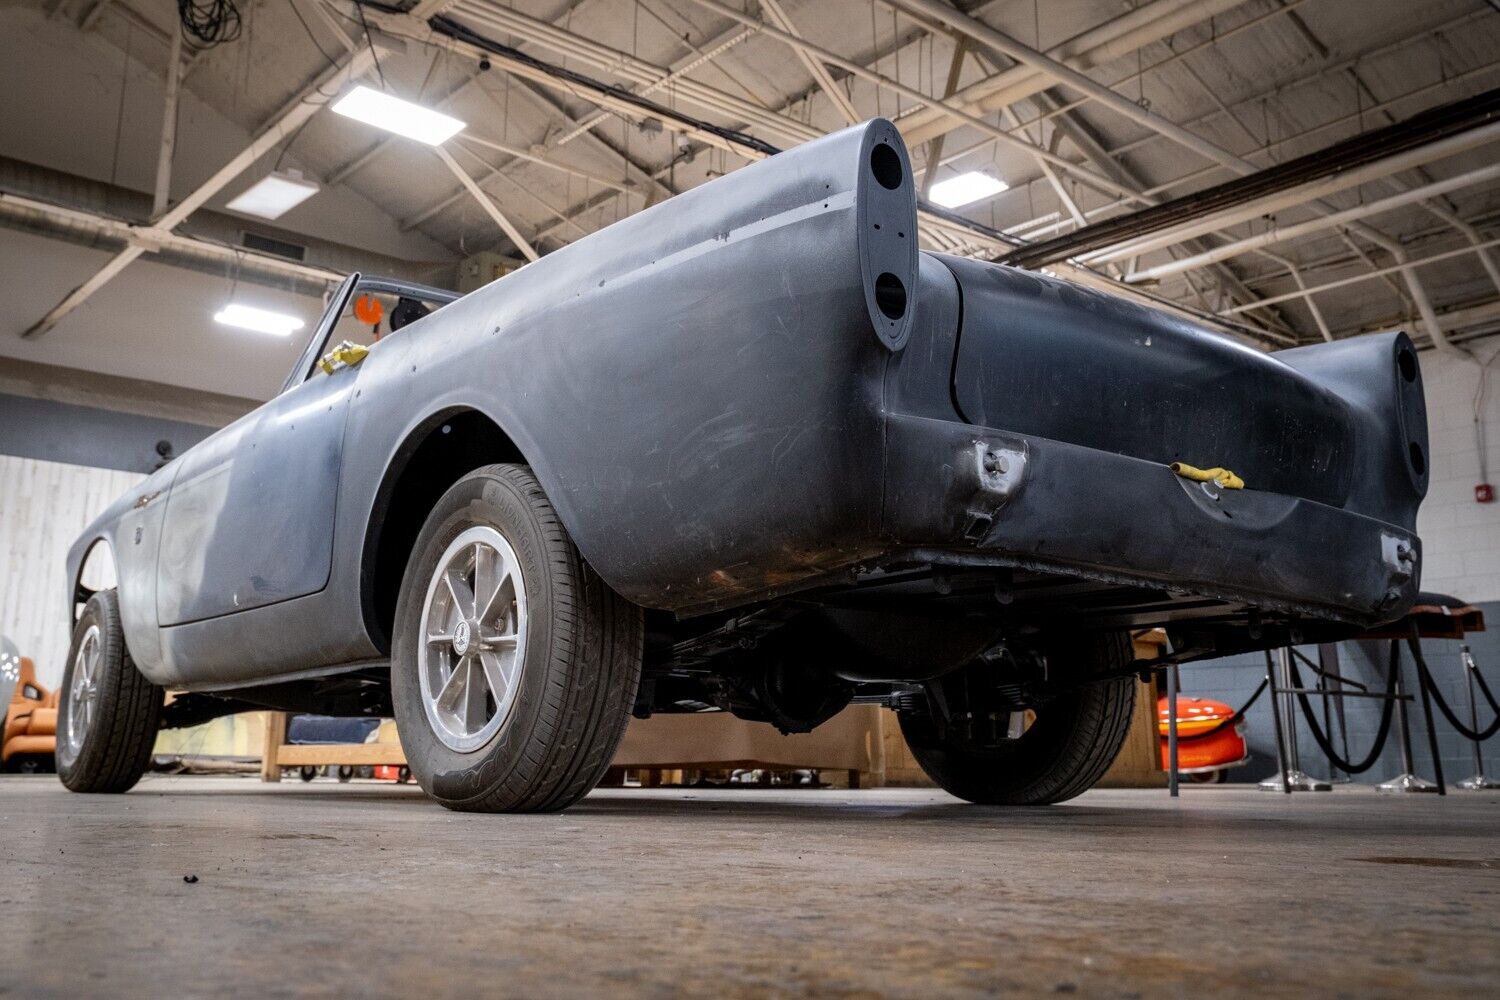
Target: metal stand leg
[[1407, 780], [1296, 779], [1280, 782], [1478, 783], [1172, 729]]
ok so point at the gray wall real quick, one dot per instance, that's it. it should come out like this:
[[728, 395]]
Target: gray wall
[[54, 431], [1233, 680]]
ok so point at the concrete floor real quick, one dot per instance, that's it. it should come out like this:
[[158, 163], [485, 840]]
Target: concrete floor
[[368, 889]]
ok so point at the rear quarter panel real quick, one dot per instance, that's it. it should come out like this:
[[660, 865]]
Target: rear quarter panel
[[697, 387]]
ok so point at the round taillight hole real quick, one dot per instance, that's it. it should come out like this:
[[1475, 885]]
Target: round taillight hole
[[1407, 362], [886, 166], [890, 295], [1418, 460]]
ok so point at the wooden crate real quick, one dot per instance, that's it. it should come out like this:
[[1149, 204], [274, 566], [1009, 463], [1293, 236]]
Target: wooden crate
[[848, 746]]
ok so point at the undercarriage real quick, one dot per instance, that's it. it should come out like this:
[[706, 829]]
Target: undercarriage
[[970, 647]]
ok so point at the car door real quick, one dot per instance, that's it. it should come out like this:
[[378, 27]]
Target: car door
[[249, 517]]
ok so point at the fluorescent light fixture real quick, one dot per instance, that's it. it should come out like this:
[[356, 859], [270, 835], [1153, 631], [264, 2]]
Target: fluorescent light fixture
[[374, 107], [966, 188], [260, 320], [274, 195]]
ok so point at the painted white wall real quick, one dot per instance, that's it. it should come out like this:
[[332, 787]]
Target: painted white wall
[[44, 507], [1460, 537]]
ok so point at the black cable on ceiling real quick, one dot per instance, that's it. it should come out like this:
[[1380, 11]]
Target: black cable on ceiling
[[452, 29], [210, 22]]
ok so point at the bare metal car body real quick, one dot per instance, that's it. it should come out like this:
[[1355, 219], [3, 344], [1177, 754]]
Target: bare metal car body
[[761, 392]]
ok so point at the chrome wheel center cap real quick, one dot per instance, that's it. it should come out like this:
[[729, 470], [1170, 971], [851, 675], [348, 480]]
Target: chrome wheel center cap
[[462, 636]]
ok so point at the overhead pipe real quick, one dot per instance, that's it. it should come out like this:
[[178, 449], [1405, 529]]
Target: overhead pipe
[[287, 120], [1303, 194], [1424, 138], [1205, 171], [1280, 234], [1303, 291], [87, 229]]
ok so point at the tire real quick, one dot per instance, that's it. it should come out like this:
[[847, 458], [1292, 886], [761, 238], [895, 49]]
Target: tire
[[307, 772], [107, 721], [547, 699], [1075, 738]]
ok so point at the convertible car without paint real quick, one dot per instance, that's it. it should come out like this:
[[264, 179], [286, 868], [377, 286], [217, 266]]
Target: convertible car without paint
[[751, 451]]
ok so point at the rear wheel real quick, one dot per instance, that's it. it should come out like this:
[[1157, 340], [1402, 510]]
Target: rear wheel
[[1066, 749], [514, 667], [109, 712]]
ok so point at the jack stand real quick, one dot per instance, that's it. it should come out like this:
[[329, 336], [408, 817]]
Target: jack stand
[[1478, 783], [1299, 780], [1290, 776], [1407, 780]]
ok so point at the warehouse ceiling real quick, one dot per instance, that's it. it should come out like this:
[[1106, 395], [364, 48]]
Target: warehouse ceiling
[[580, 112]]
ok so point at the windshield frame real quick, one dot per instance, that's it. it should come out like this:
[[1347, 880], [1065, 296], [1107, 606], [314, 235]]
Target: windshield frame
[[307, 361]]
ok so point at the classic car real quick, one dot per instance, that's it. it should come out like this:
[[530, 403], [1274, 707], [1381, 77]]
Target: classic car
[[749, 450]]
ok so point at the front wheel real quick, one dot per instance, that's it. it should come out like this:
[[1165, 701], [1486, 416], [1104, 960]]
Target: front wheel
[[109, 712], [1075, 736], [514, 667]]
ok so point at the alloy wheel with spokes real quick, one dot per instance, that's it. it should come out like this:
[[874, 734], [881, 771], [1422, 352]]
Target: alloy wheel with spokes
[[83, 692], [474, 636], [513, 666]]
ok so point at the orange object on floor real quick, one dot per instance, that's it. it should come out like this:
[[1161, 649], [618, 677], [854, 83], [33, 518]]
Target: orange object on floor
[[1205, 746], [30, 739]]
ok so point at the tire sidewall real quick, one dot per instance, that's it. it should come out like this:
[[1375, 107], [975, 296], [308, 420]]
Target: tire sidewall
[[442, 772], [100, 612]]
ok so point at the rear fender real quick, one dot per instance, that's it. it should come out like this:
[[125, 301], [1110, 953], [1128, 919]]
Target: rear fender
[[1380, 378]]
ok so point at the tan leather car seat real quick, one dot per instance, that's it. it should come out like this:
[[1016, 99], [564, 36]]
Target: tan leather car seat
[[30, 718]]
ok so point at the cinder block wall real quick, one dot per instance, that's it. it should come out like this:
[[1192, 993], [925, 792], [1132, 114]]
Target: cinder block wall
[[1460, 538]]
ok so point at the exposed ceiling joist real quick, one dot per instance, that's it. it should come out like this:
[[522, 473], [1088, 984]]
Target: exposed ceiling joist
[[308, 101]]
